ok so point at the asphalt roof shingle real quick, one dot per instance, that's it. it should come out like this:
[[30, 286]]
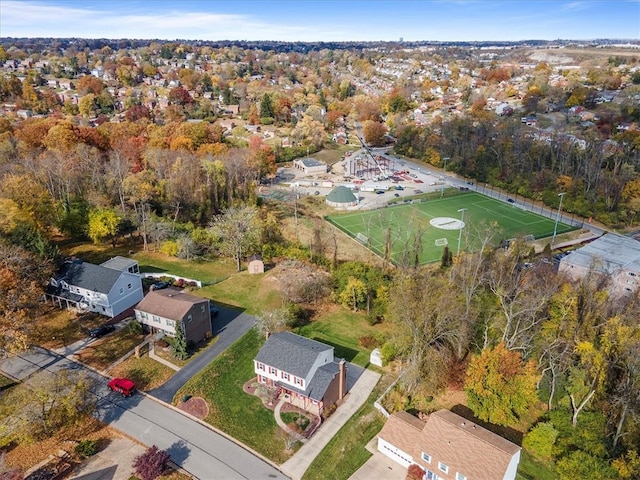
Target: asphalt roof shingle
[[291, 353], [89, 276]]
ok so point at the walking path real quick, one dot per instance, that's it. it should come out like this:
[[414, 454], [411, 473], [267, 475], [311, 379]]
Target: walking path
[[298, 464], [276, 413], [152, 354]]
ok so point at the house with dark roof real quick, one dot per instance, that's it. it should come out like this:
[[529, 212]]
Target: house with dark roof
[[109, 289], [448, 447], [304, 371], [163, 310]]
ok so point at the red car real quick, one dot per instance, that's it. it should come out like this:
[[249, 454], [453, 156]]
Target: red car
[[122, 385]]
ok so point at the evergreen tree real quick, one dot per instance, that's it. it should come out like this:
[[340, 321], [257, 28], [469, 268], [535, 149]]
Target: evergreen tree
[[179, 346]]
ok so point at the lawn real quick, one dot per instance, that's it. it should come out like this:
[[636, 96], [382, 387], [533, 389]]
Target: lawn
[[144, 371], [236, 413], [243, 290], [530, 469], [401, 223], [104, 352], [342, 328], [346, 451]]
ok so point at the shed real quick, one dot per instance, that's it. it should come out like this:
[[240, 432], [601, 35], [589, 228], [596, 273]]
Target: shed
[[255, 264]]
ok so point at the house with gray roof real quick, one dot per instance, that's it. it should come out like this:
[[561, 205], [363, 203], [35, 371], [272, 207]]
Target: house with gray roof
[[614, 257], [304, 372], [109, 289]]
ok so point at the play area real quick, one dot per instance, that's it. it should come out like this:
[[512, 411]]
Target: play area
[[430, 225]]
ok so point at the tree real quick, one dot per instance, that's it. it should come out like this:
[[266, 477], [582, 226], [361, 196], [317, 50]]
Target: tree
[[580, 464], [237, 232], [266, 106], [151, 464], [103, 223], [180, 96], [272, 321], [540, 440], [179, 344], [374, 133], [500, 385]]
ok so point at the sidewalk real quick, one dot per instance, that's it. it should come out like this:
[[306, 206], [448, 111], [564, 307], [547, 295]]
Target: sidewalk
[[298, 464]]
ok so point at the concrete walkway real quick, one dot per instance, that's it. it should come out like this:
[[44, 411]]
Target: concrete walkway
[[282, 425], [298, 464], [152, 354]]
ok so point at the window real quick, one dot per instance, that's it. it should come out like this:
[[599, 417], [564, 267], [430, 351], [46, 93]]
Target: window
[[129, 286], [442, 467], [260, 366], [156, 319], [273, 370], [298, 381], [632, 274], [426, 457], [284, 375], [460, 476], [170, 323], [121, 291], [189, 318], [201, 308]]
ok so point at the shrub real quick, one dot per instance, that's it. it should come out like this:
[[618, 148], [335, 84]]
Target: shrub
[[540, 440], [368, 342], [151, 463], [169, 247], [135, 327], [86, 448], [414, 472]]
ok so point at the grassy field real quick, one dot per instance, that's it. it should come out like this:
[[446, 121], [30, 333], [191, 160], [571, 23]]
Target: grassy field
[[231, 409], [401, 224], [342, 328]]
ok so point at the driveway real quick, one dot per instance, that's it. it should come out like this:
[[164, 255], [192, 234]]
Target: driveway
[[229, 326], [196, 448], [112, 463], [361, 383]]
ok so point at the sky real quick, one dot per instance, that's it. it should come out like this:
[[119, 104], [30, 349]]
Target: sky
[[323, 20]]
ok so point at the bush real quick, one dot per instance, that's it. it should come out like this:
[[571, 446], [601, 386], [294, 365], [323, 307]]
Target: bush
[[87, 448], [135, 327], [170, 248], [414, 472], [540, 440], [151, 463], [368, 342]]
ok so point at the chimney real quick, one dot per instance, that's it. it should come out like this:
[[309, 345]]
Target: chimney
[[342, 381]]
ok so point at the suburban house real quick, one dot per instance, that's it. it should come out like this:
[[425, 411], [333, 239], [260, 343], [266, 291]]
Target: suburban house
[[162, 310], [109, 289], [613, 256], [304, 372], [448, 447]]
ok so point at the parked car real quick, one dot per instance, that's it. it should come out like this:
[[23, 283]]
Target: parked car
[[101, 331], [396, 195], [511, 200], [123, 386], [417, 191], [379, 192], [213, 310], [399, 187], [160, 285]]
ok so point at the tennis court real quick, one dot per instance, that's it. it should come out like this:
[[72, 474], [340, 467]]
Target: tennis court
[[429, 225]]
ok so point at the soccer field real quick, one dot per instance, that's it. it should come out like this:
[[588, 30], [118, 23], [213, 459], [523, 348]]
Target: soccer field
[[435, 223]]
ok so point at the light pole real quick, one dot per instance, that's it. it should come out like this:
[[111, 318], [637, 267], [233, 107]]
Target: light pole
[[444, 172], [462, 210], [555, 228]]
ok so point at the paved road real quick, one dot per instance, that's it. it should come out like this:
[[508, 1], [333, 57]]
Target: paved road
[[229, 325], [197, 448]]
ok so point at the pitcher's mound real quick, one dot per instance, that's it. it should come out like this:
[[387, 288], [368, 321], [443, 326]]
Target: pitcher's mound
[[195, 406]]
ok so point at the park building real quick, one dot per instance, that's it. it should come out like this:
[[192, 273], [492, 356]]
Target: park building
[[342, 197], [310, 166]]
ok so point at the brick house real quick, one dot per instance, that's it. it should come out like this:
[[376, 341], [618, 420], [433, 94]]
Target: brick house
[[303, 370], [162, 310], [448, 447]]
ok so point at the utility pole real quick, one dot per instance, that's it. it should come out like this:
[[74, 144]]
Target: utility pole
[[555, 228]]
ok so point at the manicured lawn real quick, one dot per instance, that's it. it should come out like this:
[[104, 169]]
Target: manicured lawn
[[346, 451], [144, 371], [252, 292], [102, 353], [530, 469], [230, 409], [207, 271], [403, 220], [342, 328], [58, 327]]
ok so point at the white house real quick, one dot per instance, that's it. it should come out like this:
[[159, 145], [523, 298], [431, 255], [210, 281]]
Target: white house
[[109, 289]]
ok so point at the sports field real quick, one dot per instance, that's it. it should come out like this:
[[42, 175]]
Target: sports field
[[431, 224]]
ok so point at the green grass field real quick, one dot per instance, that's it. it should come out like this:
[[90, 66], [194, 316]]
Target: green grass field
[[403, 226]]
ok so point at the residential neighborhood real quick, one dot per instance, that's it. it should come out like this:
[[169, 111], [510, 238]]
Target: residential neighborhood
[[307, 257]]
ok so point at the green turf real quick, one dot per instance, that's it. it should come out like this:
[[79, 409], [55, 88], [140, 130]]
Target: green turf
[[402, 223]]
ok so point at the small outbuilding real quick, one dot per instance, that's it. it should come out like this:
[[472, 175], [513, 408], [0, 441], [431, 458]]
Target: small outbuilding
[[342, 197], [310, 166], [255, 264]]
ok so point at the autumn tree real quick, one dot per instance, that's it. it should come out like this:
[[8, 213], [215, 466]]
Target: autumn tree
[[103, 223], [151, 464], [374, 133], [272, 321], [22, 276], [500, 385], [237, 232]]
